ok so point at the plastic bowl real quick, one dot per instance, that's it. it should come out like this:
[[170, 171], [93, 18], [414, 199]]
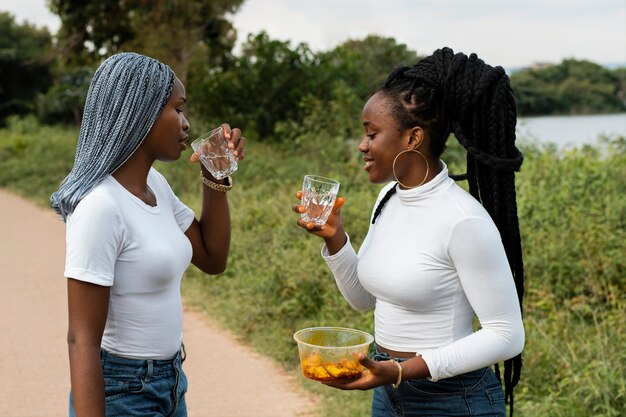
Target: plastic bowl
[[331, 353]]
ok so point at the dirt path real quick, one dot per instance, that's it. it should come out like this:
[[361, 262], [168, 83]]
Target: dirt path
[[225, 378]]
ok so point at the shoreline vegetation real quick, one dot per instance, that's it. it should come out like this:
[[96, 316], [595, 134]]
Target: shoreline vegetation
[[571, 207]]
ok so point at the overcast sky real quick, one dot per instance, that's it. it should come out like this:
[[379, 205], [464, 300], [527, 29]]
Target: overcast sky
[[511, 33]]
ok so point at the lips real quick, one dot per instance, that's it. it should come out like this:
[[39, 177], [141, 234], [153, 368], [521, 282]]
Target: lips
[[368, 163]]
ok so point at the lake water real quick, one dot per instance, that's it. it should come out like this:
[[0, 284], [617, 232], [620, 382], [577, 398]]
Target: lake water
[[569, 131]]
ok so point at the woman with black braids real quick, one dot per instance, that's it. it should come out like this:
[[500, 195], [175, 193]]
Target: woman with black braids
[[435, 256]]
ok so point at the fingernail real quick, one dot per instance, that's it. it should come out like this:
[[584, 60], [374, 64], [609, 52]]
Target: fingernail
[[309, 225], [301, 209]]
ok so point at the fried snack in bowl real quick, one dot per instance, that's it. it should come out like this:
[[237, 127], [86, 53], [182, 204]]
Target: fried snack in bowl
[[331, 353]]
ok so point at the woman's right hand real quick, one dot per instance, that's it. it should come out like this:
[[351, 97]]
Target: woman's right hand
[[332, 231]]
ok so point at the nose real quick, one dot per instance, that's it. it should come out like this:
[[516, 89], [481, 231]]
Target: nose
[[186, 125], [364, 145]]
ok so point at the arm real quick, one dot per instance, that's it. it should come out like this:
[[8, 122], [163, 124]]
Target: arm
[[339, 256], [210, 236], [476, 250], [343, 265], [88, 307]]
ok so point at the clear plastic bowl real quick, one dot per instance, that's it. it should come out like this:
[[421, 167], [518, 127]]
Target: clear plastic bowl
[[331, 353]]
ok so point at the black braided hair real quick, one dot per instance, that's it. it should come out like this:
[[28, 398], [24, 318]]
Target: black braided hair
[[447, 92]]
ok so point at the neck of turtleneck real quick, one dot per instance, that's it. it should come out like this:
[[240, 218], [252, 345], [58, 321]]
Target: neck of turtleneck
[[439, 183]]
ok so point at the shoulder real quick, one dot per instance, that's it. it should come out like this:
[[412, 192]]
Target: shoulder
[[463, 204], [466, 218], [100, 204]]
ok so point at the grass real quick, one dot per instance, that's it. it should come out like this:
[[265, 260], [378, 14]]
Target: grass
[[572, 209]]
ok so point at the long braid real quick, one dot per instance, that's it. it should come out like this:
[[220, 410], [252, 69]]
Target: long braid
[[448, 92], [382, 203], [125, 97]]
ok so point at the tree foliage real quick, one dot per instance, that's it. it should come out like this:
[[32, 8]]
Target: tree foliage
[[64, 101], [169, 30], [273, 90], [571, 87], [25, 65], [278, 92], [256, 89], [364, 63]]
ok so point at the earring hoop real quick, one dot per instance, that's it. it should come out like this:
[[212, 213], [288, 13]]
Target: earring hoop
[[393, 167]]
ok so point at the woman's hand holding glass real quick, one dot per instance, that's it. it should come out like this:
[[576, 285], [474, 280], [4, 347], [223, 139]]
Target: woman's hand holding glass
[[332, 231], [235, 143]]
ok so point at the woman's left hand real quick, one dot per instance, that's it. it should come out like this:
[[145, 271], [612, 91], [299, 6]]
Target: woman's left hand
[[376, 374], [236, 142]]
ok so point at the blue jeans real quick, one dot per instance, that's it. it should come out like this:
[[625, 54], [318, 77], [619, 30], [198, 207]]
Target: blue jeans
[[476, 393], [146, 388]]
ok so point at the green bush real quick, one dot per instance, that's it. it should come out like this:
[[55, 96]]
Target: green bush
[[33, 158], [572, 216]]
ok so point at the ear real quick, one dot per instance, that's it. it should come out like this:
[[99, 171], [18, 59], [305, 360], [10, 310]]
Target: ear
[[416, 138]]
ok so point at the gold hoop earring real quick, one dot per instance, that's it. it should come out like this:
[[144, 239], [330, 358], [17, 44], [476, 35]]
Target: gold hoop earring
[[393, 167]]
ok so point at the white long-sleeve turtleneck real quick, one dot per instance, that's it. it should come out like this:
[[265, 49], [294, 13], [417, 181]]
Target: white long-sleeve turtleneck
[[432, 260]]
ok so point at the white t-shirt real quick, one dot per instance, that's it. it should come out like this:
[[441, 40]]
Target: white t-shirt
[[433, 258], [114, 239]]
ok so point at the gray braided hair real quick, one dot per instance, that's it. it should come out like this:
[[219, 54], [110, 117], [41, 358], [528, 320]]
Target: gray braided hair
[[125, 97]]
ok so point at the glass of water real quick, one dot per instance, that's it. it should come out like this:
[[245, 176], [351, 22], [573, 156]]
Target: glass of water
[[215, 155], [318, 198]]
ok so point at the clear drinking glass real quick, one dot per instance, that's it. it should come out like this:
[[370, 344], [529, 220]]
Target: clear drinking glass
[[318, 198], [215, 155]]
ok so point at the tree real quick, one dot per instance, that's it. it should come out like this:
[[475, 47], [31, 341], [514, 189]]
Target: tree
[[364, 64], [169, 30], [64, 101], [620, 74], [571, 87], [343, 80], [257, 89], [25, 65]]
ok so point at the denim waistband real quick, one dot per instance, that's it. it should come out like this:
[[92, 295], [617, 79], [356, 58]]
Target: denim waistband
[[110, 358], [115, 366], [378, 356]]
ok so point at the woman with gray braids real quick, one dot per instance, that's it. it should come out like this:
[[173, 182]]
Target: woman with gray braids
[[436, 256], [129, 240]]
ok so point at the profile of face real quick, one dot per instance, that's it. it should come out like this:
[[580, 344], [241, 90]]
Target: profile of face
[[167, 138], [383, 139]]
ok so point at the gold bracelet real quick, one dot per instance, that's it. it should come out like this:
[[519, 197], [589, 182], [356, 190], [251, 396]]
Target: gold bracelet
[[397, 384], [222, 188]]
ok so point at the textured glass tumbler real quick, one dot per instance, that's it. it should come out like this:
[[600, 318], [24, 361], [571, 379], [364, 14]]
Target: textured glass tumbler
[[318, 198], [215, 155]]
